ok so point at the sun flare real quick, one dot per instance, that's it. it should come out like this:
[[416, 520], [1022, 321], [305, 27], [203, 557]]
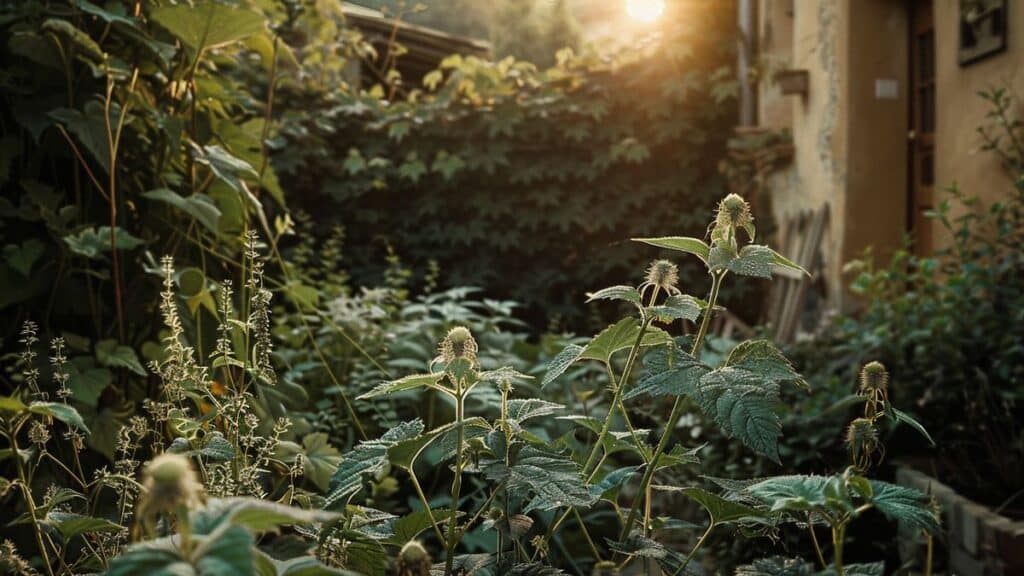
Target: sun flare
[[645, 10]]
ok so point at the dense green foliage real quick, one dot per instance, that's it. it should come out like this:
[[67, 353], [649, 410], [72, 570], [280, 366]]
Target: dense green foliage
[[500, 167]]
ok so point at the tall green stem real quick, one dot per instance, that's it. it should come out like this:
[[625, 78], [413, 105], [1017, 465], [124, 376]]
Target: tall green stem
[[26, 490], [677, 410], [696, 547], [838, 535], [453, 539]]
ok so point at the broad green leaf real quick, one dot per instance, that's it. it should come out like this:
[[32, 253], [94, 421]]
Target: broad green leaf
[[678, 307], [678, 456], [408, 527], [622, 336], [722, 511], [62, 412], [89, 127], [319, 458], [226, 552], [550, 479], [207, 24], [153, 558], [743, 405], [306, 566], [761, 357], [561, 362], [903, 417], [92, 242], [627, 293], [110, 353], [612, 481], [520, 410], [793, 493], [216, 447], [88, 384], [639, 546], [694, 246], [670, 371], [906, 506], [71, 525], [228, 168], [254, 515], [198, 206], [85, 46], [753, 260], [22, 257], [370, 456], [411, 382]]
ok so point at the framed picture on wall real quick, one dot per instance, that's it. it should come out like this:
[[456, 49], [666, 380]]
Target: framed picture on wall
[[982, 29]]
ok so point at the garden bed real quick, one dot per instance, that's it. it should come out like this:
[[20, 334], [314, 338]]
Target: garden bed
[[979, 542]]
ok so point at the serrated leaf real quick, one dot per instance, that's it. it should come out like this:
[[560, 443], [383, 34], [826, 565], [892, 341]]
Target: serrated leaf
[[216, 447], [71, 525], [694, 246], [368, 457], [521, 410], [640, 546], [465, 565], [410, 382], [62, 412], [408, 527], [753, 260], [906, 506], [627, 293], [92, 242], [111, 354], [254, 515], [678, 307], [404, 453], [552, 479], [761, 357], [720, 510], [621, 336], [792, 493], [612, 481], [743, 404], [670, 371], [561, 362]]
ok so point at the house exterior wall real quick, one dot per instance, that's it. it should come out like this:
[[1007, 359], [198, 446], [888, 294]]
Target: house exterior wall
[[851, 146]]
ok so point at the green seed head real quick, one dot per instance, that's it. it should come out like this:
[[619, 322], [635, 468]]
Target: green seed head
[[170, 482], [874, 378], [734, 212], [413, 560], [605, 568], [862, 436], [458, 344], [663, 274]]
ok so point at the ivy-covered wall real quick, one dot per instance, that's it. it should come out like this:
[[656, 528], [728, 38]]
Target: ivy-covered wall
[[516, 179]]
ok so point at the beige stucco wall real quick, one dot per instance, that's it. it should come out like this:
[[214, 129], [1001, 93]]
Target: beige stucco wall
[[960, 110], [851, 144]]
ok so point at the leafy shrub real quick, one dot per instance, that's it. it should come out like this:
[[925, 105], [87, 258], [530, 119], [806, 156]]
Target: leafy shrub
[[500, 167], [949, 328], [223, 471]]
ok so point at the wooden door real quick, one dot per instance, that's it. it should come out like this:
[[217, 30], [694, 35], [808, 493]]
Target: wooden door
[[921, 195]]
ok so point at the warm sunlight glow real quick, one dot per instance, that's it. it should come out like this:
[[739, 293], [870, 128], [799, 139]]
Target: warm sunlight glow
[[645, 10]]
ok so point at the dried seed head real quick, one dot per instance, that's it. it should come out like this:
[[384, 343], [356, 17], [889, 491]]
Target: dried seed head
[[170, 482], [874, 378], [862, 442], [458, 344], [413, 560], [663, 274], [38, 433]]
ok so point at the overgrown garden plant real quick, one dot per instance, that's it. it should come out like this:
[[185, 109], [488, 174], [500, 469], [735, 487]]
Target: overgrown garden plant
[[517, 473]]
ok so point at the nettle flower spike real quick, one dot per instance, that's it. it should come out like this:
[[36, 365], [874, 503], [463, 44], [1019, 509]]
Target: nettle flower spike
[[663, 276], [458, 344]]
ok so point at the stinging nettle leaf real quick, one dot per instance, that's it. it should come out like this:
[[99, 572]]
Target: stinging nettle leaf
[[207, 24], [627, 293], [561, 362], [670, 372], [743, 404], [621, 336], [411, 382], [678, 307], [694, 246]]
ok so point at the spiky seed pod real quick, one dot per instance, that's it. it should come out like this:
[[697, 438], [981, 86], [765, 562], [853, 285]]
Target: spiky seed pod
[[733, 213], [664, 275], [874, 378], [170, 483], [459, 344], [413, 560], [862, 442]]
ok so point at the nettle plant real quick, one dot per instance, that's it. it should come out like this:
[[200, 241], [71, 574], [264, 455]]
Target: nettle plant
[[526, 487]]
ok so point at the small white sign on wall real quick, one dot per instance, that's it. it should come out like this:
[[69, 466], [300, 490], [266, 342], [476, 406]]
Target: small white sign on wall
[[887, 89]]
